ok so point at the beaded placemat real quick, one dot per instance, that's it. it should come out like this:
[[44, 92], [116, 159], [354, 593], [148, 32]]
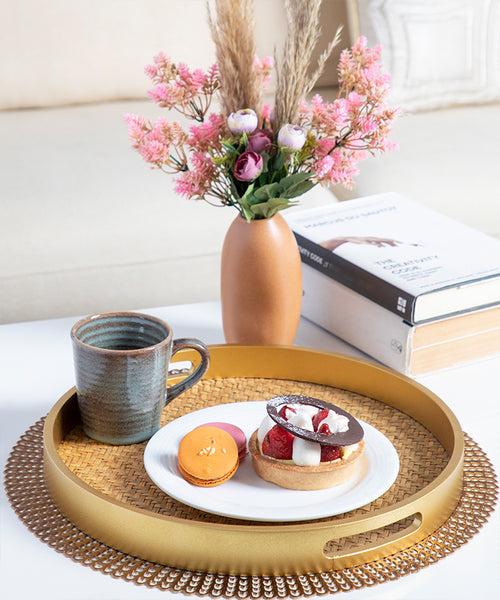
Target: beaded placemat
[[108, 469]]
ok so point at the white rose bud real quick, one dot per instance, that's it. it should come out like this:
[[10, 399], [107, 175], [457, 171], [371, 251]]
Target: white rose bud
[[291, 137], [242, 121]]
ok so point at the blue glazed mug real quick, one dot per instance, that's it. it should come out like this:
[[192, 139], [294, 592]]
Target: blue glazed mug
[[121, 367]]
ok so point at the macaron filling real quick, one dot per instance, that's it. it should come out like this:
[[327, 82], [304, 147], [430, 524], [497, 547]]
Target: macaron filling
[[206, 482]]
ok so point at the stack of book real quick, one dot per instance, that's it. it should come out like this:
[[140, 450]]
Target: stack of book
[[416, 290]]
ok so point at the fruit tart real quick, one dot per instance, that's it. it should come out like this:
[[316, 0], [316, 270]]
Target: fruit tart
[[306, 444]]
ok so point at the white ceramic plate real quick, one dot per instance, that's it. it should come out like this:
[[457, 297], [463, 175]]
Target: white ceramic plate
[[246, 495]]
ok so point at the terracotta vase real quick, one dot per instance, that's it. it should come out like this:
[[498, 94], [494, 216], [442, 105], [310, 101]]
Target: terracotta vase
[[261, 282]]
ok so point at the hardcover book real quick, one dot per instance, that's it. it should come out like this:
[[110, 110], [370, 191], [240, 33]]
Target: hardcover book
[[410, 260], [382, 334]]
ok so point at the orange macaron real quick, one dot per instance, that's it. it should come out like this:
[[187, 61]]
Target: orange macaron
[[207, 456]]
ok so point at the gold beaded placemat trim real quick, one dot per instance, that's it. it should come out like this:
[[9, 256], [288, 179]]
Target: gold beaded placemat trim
[[29, 497]]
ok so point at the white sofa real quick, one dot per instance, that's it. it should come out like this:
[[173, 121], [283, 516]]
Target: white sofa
[[85, 226]]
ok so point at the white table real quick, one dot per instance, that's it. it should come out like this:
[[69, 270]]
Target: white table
[[36, 368]]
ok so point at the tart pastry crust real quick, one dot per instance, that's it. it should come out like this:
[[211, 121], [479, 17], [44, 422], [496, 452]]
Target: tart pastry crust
[[295, 477]]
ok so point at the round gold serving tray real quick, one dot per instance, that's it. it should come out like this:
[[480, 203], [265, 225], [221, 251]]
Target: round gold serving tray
[[106, 493]]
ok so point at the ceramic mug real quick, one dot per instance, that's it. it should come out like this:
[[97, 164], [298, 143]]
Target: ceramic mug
[[121, 366]]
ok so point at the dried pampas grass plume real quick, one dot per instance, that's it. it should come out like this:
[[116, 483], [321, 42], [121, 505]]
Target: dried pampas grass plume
[[233, 35], [293, 82]]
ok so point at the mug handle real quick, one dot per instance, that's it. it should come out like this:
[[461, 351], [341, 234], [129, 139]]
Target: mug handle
[[194, 344]]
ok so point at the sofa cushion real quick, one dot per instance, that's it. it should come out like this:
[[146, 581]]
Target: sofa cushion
[[86, 226], [62, 52], [439, 54]]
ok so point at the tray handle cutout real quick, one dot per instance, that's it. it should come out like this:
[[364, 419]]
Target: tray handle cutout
[[180, 367], [368, 541]]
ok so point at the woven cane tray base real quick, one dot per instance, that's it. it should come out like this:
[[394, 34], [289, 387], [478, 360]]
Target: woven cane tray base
[[118, 471], [29, 497]]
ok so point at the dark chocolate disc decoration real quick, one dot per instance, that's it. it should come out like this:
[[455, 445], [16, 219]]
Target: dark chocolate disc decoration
[[352, 436]]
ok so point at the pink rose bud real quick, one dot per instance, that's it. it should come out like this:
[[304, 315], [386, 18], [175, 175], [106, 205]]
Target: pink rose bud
[[291, 137], [248, 166], [242, 121], [260, 141]]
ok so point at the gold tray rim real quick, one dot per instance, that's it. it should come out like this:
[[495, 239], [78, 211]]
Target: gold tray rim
[[232, 356]]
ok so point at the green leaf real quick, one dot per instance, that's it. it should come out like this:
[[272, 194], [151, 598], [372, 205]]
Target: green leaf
[[245, 202], [298, 189], [251, 200], [219, 160], [279, 175], [247, 213], [248, 191], [295, 185], [294, 179], [265, 192], [229, 147], [268, 209], [265, 159], [262, 180], [243, 142], [278, 162]]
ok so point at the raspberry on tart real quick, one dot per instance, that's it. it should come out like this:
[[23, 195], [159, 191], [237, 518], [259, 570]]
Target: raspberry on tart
[[325, 429], [286, 412], [321, 415], [296, 445], [278, 443], [329, 453]]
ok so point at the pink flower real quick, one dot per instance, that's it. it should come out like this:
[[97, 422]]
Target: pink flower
[[339, 166], [196, 182], [248, 166], [358, 122], [267, 62], [153, 151], [260, 141], [363, 54], [324, 147], [244, 120], [360, 71], [193, 80], [367, 124], [207, 135], [339, 133], [177, 86], [292, 137], [327, 118], [323, 166], [355, 100], [136, 126], [265, 112], [161, 94], [161, 64], [263, 68], [159, 142], [160, 58]]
